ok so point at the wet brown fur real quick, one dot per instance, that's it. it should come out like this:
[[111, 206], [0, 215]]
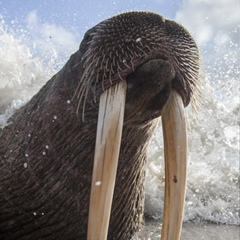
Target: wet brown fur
[[46, 151]]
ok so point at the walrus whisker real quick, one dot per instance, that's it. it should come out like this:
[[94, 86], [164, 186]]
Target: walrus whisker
[[150, 50], [76, 65], [87, 53], [141, 50], [107, 67], [119, 67], [110, 54], [104, 73], [100, 48], [88, 69], [84, 101], [131, 51], [81, 81], [92, 41], [99, 29], [96, 61], [140, 42], [80, 98], [122, 51], [125, 63], [94, 91], [119, 75], [92, 34], [137, 54], [103, 62], [111, 69], [155, 48], [81, 91], [80, 85], [76, 92], [114, 61], [97, 75], [102, 83]]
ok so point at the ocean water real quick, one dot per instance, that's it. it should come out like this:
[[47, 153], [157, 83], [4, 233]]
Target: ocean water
[[213, 168]]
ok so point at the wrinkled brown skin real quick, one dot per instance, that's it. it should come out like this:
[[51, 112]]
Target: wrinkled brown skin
[[49, 199]]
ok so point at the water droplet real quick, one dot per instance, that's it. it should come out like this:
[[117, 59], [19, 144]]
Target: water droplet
[[34, 213], [54, 117], [98, 183], [25, 165], [47, 147], [68, 101], [26, 155], [138, 39], [44, 153]]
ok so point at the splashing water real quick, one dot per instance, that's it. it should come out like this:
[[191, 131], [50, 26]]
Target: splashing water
[[23, 70], [213, 170], [213, 184]]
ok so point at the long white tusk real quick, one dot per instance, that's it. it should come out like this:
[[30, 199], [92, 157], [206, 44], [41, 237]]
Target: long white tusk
[[175, 153], [108, 140]]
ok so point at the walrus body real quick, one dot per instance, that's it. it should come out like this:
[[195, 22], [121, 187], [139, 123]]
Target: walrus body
[[47, 150]]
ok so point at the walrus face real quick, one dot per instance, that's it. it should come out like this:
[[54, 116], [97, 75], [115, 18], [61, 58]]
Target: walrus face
[[146, 66], [118, 46]]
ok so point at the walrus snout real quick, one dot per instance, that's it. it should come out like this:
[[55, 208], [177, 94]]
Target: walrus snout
[[117, 47], [150, 87]]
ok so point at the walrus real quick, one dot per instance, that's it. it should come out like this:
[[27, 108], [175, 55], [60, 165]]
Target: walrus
[[137, 65]]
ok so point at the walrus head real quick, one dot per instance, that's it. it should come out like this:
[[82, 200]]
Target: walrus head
[[145, 66]]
